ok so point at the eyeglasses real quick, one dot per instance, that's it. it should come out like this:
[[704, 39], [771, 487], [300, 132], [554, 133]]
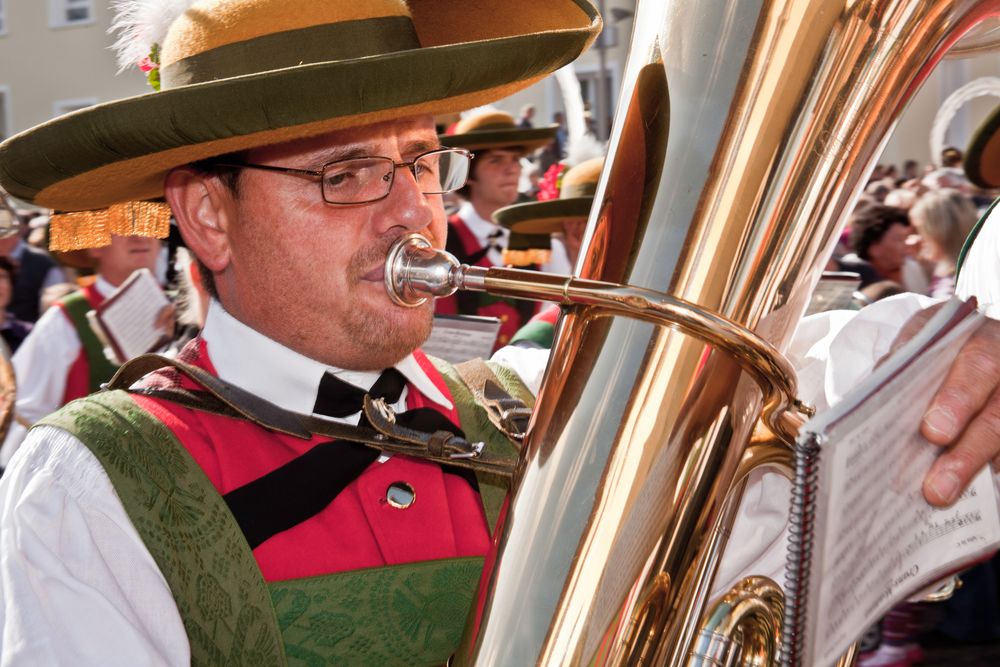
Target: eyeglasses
[[367, 179]]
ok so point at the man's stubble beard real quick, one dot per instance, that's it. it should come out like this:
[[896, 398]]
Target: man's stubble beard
[[383, 337]]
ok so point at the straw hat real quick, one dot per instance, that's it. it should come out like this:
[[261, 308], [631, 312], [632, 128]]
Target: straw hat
[[982, 159], [576, 189], [237, 74], [496, 129]]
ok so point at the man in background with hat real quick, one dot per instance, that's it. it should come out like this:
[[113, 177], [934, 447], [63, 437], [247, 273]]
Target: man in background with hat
[[561, 211], [62, 359], [473, 237], [295, 143]]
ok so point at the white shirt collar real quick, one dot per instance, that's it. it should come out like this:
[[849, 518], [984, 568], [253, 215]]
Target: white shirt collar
[[103, 287], [264, 367], [480, 227]]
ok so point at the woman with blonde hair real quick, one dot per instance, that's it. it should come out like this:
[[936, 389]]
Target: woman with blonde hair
[[944, 219]]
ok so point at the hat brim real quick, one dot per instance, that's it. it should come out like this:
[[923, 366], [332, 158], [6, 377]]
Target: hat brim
[[543, 217], [76, 259], [982, 158], [529, 139], [122, 150]]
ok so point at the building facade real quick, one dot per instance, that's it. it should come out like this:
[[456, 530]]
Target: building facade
[[55, 57]]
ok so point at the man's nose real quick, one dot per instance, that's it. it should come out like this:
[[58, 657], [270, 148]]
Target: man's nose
[[408, 207]]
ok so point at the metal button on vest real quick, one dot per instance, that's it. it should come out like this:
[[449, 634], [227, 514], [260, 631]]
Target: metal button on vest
[[400, 495]]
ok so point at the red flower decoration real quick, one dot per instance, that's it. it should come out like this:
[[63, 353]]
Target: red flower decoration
[[147, 64], [551, 183]]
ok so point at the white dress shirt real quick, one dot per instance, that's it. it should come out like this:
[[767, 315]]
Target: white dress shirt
[[482, 229], [41, 365], [77, 584], [980, 274]]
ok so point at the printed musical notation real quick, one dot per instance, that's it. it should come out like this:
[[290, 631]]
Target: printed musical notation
[[874, 538], [934, 530]]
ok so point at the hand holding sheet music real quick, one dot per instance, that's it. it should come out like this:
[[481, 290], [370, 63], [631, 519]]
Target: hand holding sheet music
[[131, 319], [864, 536]]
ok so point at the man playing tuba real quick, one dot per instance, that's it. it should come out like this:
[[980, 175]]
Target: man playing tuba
[[295, 143]]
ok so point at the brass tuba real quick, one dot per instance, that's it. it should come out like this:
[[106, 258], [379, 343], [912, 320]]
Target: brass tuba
[[743, 134]]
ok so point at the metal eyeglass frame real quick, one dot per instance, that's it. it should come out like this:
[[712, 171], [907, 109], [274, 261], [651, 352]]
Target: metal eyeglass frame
[[392, 174]]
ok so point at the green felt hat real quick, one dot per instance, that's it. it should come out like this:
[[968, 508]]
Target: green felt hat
[[238, 74], [576, 196], [496, 129], [982, 159]]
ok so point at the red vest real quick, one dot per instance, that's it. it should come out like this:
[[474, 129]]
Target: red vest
[[505, 310], [78, 378], [549, 314], [358, 529]]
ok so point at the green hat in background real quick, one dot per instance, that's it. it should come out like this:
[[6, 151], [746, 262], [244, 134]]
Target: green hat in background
[[496, 129], [982, 158], [576, 187], [239, 74]]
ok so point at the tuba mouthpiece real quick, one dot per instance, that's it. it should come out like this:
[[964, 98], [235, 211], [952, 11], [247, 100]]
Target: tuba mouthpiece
[[415, 271]]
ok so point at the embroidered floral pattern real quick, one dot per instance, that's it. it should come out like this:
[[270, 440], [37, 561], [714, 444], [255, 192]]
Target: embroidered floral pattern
[[407, 614]]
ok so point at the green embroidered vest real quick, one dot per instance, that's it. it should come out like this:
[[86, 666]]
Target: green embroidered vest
[[410, 614]]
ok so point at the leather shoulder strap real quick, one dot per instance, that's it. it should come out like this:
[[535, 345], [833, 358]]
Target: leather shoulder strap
[[478, 424], [220, 397], [221, 595]]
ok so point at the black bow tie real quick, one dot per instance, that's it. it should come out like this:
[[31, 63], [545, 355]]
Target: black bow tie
[[493, 242], [337, 398], [301, 488]]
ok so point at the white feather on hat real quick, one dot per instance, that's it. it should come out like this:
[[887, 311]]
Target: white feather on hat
[[140, 24], [580, 144]]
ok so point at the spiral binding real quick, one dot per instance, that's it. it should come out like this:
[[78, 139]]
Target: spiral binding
[[800, 545]]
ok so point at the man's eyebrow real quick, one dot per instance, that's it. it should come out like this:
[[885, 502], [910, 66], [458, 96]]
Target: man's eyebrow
[[350, 152], [421, 146], [335, 155]]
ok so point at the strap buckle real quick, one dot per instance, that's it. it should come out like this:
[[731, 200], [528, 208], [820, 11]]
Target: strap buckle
[[506, 412], [475, 449]]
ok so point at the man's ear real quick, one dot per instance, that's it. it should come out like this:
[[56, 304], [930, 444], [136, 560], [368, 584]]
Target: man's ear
[[202, 207]]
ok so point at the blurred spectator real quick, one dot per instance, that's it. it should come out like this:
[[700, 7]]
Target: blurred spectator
[[36, 270], [527, 117], [901, 198], [950, 174], [944, 219], [548, 155], [12, 329], [559, 118], [877, 190], [878, 239], [911, 170]]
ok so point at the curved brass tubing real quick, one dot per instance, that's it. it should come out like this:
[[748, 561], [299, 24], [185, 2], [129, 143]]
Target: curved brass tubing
[[415, 271]]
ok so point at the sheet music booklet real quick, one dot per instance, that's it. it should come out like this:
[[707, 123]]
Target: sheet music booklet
[[863, 538], [458, 338], [126, 321]]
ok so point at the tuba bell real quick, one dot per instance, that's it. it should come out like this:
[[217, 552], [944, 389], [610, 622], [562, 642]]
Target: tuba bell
[[740, 143]]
